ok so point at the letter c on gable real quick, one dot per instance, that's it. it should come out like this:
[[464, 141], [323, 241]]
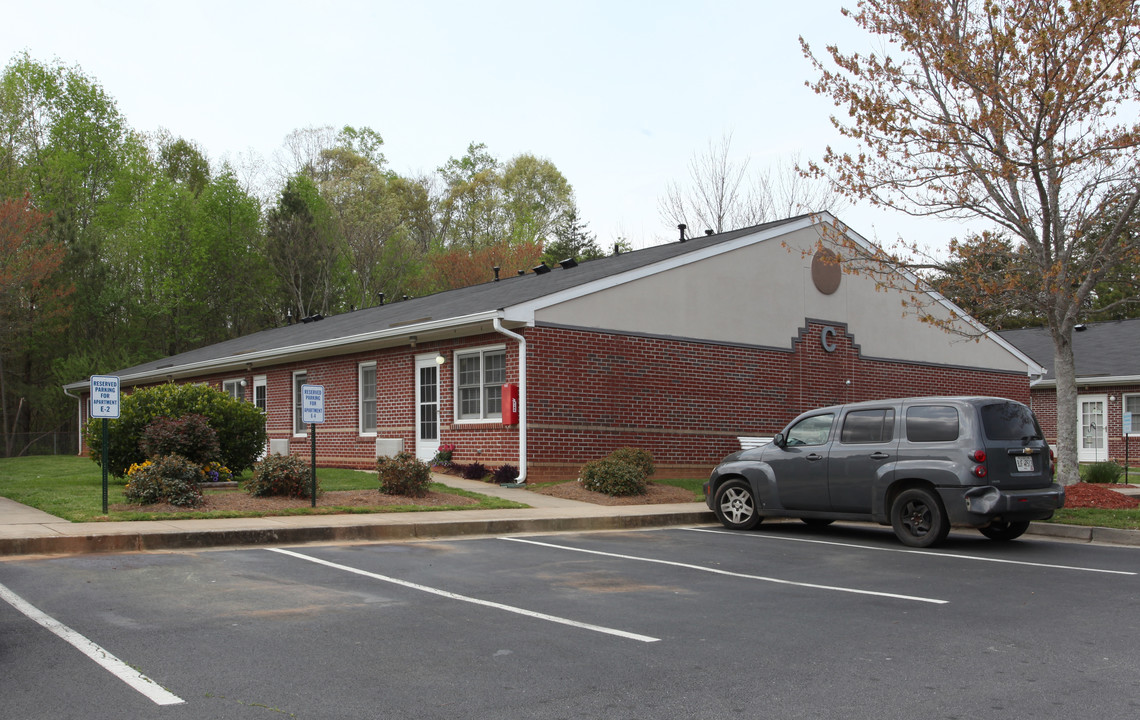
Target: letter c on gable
[[826, 339]]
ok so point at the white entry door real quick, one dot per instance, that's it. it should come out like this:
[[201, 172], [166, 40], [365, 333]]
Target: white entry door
[[1093, 418], [427, 407]]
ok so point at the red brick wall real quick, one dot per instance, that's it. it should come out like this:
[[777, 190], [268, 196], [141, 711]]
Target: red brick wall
[[589, 393], [1044, 404], [687, 402]]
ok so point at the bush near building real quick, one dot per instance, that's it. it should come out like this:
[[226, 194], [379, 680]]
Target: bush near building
[[403, 474], [240, 426], [623, 472], [286, 475]]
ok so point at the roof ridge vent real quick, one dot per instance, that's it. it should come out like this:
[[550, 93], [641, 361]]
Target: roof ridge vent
[[540, 269], [568, 263]]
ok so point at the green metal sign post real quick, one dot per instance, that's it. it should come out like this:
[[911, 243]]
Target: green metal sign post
[[313, 412], [105, 404]]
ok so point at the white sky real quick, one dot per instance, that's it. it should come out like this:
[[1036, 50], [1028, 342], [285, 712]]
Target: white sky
[[618, 95]]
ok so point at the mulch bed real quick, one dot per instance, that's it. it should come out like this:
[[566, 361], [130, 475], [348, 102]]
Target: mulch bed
[[240, 501], [1087, 495], [657, 495]]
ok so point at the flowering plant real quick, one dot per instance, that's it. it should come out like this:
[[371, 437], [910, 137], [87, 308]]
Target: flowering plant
[[443, 455], [217, 472]]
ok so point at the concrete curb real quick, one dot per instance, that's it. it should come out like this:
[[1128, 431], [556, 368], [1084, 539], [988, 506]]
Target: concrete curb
[[238, 537]]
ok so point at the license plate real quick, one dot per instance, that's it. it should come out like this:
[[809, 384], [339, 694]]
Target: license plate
[[1024, 463]]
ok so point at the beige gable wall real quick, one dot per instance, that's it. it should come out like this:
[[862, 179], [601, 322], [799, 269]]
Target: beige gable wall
[[761, 295]]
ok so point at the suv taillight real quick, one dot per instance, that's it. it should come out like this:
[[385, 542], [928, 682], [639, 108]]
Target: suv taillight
[[1052, 463], [979, 456]]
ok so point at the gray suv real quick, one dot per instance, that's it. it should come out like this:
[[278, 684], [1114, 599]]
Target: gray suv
[[919, 465]]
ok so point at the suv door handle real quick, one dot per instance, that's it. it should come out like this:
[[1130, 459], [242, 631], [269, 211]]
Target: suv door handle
[[814, 456], [879, 455]]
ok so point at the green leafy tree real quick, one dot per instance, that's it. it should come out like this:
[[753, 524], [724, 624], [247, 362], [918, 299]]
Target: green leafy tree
[[304, 249]]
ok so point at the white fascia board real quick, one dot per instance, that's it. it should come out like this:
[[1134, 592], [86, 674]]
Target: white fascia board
[[283, 353], [1033, 368], [525, 312], [1044, 384]]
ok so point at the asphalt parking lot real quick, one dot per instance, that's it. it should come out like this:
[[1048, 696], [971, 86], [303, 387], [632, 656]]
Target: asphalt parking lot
[[785, 622]]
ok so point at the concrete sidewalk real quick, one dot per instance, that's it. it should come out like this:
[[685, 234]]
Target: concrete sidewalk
[[27, 531]]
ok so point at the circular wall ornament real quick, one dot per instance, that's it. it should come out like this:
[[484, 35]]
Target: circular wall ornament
[[825, 271]]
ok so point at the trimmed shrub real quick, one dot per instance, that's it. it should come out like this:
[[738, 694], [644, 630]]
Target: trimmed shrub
[[286, 475], [613, 477], [403, 474], [475, 471], [170, 478], [506, 474], [189, 436], [1103, 472], [240, 425], [641, 459]]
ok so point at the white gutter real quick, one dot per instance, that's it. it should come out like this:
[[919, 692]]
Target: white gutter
[[498, 325], [1091, 380]]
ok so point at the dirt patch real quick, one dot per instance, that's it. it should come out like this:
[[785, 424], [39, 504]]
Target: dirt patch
[[1087, 495], [238, 501], [657, 495]]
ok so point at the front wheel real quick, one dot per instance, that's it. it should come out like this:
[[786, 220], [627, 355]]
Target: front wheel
[[1004, 530], [735, 505], [918, 518]]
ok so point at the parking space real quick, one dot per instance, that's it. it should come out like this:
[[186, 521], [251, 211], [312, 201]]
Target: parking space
[[681, 622]]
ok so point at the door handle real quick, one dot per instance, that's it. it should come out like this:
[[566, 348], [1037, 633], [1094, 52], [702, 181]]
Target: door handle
[[814, 456], [878, 455]]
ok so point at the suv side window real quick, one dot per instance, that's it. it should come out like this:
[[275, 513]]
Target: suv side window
[[810, 431], [868, 426], [932, 423]]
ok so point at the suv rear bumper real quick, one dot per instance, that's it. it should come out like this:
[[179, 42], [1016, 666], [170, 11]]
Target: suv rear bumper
[[977, 506]]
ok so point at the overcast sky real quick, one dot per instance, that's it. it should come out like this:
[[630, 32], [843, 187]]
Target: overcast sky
[[618, 95]]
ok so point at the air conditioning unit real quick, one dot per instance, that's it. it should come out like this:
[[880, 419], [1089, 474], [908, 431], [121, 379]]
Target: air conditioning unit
[[279, 447], [388, 447]]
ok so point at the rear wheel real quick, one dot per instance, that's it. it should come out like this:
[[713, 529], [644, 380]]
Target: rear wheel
[[918, 518], [1004, 530], [735, 505]]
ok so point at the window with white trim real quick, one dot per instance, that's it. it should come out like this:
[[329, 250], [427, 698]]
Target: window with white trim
[[479, 378], [367, 395], [1132, 405], [300, 378], [234, 388]]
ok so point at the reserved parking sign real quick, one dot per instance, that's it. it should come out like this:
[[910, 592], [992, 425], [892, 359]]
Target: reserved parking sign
[[104, 396]]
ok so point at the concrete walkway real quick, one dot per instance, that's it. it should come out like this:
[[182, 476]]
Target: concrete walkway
[[27, 531]]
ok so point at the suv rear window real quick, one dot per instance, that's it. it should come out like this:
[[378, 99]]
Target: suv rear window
[[932, 423], [1009, 421]]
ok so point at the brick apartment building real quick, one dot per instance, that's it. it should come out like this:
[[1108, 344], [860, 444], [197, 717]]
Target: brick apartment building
[[679, 349]]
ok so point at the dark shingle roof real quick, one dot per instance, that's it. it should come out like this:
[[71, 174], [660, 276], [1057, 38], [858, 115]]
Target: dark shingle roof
[[487, 297], [1104, 349]]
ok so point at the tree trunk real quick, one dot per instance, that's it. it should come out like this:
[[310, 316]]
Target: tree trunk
[[1065, 367]]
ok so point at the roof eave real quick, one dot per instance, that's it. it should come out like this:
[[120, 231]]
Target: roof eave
[[388, 337]]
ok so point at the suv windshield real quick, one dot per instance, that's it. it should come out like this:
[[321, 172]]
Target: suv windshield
[[1009, 421]]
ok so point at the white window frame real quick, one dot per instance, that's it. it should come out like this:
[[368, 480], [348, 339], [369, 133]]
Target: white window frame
[[1124, 398], [360, 387], [229, 385], [456, 404], [298, 425]]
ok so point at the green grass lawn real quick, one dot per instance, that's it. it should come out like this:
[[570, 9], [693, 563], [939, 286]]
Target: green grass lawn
[[71, 488]]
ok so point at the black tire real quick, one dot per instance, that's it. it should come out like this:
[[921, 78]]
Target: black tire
[[1004, 530], [816, 522], [735, 505], [918, 518]]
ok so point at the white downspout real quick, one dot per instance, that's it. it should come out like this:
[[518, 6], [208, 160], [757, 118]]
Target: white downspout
[[498, 325]]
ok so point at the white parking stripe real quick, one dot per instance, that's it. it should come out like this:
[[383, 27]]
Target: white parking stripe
[[112, 664], [778, 581], [476, 601], [913, 552]]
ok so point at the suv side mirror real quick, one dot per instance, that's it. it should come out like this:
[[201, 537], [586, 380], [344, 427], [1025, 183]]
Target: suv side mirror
[[780, 441]]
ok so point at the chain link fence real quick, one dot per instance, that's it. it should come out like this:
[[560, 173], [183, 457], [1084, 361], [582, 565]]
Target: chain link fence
[[54, 443]]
